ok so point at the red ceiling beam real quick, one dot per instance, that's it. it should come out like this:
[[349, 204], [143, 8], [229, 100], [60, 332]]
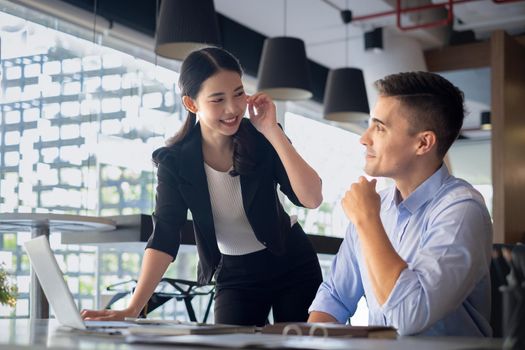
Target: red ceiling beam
[[400, 11]]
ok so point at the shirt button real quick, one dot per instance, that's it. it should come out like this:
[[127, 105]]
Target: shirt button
[[264, 243]]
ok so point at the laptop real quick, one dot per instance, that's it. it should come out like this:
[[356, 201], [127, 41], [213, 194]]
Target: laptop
[[55, 288]]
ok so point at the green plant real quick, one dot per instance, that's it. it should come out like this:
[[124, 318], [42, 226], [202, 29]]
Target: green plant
[[8, 291]]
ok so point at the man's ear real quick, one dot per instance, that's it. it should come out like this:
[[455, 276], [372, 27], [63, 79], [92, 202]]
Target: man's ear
[[189, 104], [427, 141]]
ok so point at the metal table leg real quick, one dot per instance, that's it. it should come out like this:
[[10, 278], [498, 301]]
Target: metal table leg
[[38, 304]]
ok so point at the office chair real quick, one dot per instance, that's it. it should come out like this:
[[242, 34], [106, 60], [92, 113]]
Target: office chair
[[499, 269]]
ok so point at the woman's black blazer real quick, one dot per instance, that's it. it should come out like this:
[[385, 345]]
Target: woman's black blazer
[[182, 185]]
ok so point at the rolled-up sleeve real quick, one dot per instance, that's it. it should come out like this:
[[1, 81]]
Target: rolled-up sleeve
[[451, 260], [340, 293], [170, 209]]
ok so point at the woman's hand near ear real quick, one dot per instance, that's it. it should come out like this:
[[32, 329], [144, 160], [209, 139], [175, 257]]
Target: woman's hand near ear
[[262, 113], [305, 182]]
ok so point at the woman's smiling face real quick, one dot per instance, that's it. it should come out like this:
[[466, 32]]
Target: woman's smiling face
[[220, 104]]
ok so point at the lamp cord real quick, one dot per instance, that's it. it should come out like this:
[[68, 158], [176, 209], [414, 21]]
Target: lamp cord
[[157, 10], [88, 176], [94, 20], [285, 15], [346, 39], [156, 27]]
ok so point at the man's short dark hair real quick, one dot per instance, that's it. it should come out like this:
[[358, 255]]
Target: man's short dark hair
[[433, 103]]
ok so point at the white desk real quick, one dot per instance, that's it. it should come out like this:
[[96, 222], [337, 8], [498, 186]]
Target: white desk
[[43, 334], [43, 224]]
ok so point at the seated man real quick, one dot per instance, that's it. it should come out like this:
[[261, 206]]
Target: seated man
[[419, 251]]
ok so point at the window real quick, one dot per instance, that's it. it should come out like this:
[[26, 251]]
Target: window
[[338, 157], [314, 141], [79, 122]]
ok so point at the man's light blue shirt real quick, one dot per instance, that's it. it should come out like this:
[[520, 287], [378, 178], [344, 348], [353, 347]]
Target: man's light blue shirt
[[444, 233]]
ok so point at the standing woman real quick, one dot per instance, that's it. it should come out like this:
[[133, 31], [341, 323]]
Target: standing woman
[[225, 169]]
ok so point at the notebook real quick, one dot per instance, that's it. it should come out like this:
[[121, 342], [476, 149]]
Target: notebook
[[55, 288], [330, 330]]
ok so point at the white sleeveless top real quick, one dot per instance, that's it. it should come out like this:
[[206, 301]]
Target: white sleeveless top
[[234, 233]]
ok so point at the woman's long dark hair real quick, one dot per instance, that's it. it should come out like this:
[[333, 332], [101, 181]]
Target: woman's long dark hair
[[197, 68]]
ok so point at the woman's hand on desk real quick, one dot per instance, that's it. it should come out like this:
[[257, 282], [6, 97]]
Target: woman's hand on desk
[[107, 315]]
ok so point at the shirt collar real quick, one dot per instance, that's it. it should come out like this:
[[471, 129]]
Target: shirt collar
[[423, 193], [391, 197]]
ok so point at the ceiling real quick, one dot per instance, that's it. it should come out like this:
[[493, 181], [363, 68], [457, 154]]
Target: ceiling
[[319, 24], [244, 25]]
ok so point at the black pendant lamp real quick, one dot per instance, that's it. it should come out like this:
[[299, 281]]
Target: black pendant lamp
[[184, 26], [485, 121], [345, 98], [284, 72]]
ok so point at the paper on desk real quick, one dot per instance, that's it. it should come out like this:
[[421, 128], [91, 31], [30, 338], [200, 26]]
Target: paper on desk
[[271, 341], [186, 329], [240, 341]]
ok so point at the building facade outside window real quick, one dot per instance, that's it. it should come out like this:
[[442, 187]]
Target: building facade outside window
[[78, 124]]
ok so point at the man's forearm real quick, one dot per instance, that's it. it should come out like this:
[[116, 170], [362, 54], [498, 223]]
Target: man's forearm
[[319, 316], [383, 263]]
